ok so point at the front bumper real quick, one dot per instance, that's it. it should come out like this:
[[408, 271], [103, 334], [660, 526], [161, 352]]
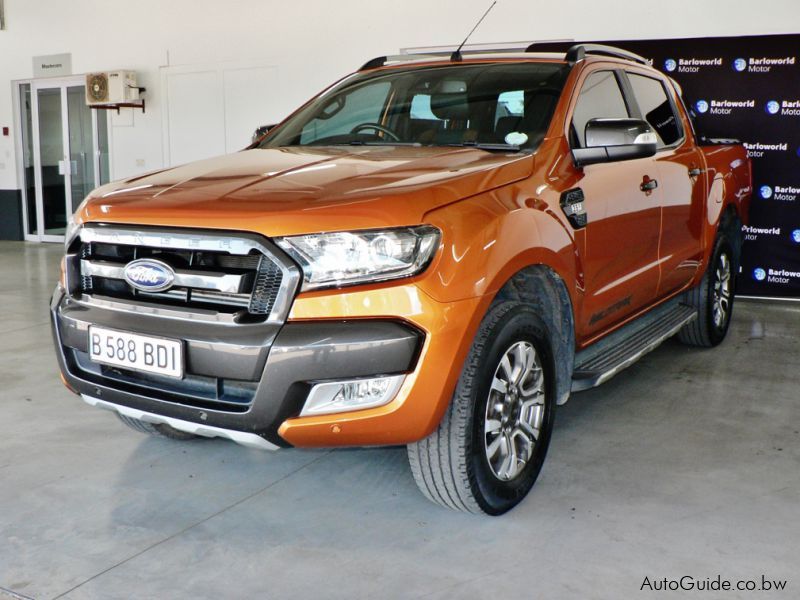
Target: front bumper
[[243, 382]]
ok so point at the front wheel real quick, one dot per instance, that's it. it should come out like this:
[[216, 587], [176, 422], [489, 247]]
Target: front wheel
[[491, 444], [713, 299]]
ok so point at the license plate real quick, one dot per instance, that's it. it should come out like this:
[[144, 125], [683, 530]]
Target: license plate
[[138, 352]]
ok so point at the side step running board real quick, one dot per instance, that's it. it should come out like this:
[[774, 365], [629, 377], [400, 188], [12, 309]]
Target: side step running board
[[601, 361]]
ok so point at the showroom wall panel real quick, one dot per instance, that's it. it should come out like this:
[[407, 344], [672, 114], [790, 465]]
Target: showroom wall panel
[[194, 121], [213, 109]]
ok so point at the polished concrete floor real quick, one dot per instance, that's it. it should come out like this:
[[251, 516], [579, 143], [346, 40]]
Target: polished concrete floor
[[688, 464]]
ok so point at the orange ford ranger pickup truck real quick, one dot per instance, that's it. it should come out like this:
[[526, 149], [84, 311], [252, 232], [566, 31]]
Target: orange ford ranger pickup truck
[[434, 252]]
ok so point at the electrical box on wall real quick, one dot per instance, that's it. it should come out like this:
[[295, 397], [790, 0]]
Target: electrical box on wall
[[112, 87]]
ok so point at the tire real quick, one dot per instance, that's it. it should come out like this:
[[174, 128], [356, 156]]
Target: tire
[[159, 430], [713, 299], [472, 462]]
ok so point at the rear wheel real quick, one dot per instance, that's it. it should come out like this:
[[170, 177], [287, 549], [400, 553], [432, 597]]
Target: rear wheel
[[491, 444], [713, 299], [159, 430]]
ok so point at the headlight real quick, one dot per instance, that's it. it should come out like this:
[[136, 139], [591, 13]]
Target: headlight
[[351, 257]]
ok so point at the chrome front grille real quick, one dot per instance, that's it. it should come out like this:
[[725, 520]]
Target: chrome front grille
[[213, 272]]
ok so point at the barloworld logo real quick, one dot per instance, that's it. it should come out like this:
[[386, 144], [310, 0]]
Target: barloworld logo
[[781, 193], [781, 276], [751, 233], [796, 236], [763, 64], [690, 65], [789, 108], [723, 106], [757, 149]]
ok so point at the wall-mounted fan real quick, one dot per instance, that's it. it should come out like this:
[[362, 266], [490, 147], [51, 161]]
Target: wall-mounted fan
[[96, 87]]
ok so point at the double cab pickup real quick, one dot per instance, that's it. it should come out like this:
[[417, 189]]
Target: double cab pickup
[[434, 252]]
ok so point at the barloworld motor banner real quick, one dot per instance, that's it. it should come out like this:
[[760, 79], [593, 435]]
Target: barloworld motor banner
[[748, 88]]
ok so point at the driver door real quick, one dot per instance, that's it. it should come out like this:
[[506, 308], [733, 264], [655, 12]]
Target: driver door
[[623, 217]]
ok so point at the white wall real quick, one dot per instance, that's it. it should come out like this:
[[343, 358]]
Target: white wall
[[313, 42]]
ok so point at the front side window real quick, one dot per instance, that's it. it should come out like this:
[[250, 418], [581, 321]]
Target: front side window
[[600, 98], [656, 108], [507, 105]]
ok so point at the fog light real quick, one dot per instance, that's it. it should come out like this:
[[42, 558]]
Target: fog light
[[354, 394]]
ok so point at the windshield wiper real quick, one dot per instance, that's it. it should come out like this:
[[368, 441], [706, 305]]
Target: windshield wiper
[[489, 147]]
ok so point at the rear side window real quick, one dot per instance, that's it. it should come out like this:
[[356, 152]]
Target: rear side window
[[600, 98], [656, 108]]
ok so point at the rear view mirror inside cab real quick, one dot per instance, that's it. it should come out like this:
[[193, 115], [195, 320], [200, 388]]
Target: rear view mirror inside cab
[[332, 107]]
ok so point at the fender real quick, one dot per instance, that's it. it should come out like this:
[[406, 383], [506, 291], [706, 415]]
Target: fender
[[490, 237], [730, 191]]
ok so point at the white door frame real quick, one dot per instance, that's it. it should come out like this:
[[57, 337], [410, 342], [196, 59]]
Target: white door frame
[[61, 83]]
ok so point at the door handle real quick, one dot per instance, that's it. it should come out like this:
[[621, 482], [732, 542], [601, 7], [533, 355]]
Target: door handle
[[695, 171], [648, 185]]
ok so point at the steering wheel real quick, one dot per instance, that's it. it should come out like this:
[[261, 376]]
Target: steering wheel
[[377, 127]]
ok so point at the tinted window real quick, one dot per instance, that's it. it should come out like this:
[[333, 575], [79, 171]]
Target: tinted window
[[421, 108], [510, 104], [600, 98], [362, 105], [656, 108]]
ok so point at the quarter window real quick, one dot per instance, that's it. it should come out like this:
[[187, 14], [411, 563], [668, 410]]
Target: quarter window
[[656, 108], [600, 98]]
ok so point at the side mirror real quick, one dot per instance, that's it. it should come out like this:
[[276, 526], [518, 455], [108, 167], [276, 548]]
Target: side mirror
[[261, 131], [609, 140]]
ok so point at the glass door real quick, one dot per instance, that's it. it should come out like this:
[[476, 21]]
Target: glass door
[[64, 153]]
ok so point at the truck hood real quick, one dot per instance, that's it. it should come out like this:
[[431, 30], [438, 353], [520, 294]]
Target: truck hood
[[288, 191]]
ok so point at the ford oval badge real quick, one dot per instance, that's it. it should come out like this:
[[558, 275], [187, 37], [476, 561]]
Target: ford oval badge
[[149, 275]]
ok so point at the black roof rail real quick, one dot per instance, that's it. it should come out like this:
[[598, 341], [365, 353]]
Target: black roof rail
[[579, 51], [376, 62]]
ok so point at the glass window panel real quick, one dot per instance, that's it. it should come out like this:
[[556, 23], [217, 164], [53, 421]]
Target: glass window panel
[[27, 156], [656, 108], [81, 145], [102, 146], [51, 145], [600, 98]]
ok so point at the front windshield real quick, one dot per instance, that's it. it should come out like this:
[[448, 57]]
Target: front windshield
[[503, 106]]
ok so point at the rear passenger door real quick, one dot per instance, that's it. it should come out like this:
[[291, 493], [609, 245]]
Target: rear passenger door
[[623, 220], [681, 176]]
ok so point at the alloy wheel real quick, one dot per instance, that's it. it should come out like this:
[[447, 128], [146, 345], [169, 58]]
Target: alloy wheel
[[722, 291], [515, 411]]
